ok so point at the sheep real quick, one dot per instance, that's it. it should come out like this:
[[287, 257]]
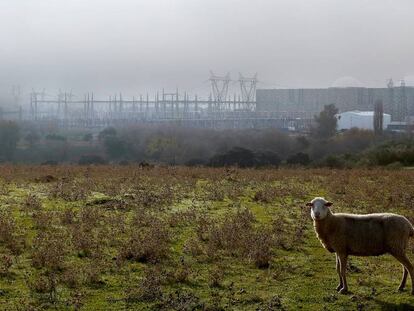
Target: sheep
[[362, 235]]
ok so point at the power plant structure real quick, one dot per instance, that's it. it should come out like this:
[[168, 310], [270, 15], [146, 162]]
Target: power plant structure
[[398, 100], [288, 109]]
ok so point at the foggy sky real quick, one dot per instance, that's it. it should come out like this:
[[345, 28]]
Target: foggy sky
[[139, 45]]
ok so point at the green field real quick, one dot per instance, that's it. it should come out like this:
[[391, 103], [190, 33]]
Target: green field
[[175, 238]]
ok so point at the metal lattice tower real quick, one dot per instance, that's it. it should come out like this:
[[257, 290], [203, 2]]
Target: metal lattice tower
[[248, 89], [220, 87], [34, 100], [390, 104], [378, 117], [401, 102], [16, 94]]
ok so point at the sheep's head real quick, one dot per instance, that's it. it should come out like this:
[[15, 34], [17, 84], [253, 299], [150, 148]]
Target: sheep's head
[[319, 208]]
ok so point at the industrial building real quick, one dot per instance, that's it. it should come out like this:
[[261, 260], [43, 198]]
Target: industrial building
[[285, 109], [360, 119], [398, 101]]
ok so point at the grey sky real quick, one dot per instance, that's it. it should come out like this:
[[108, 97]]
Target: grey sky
[[138, 45]]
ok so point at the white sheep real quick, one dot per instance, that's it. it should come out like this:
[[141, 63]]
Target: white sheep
[[362, 235]]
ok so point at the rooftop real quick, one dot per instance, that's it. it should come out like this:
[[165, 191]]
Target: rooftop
[[360, 113]]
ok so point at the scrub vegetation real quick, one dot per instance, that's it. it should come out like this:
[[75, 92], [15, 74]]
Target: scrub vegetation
[[180, 238]]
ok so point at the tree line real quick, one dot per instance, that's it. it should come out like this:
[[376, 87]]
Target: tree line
[[323, 146]]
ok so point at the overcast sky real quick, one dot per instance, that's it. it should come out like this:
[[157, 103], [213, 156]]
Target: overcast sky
[[138, 45]]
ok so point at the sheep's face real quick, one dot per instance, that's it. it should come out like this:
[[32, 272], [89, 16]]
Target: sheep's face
[[319, 208]]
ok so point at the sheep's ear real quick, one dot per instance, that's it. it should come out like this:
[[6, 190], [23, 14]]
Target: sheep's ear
[[328, 204], [309, 204]]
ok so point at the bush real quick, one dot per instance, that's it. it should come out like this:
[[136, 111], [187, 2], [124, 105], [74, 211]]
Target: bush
[[181, 300], [195, 162], [115, 147], [108, 132], [395, 165], [333, 161], [50, 162], [87, 137], [55, 137], [148, 289], [299, 158], [50, 249], [236, 237], [11, 234], [91, 159], [265, 195], [237, 156], [9, 137], [243, 158], [261, 250], [392, 152], [148, 240], [267, 158]]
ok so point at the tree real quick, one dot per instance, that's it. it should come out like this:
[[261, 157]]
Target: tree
[[108, 132], [299, 158], [164, 148], [237, 156], [9, 137], [32, 138], [326, 122], [115, 147], [55, 137], [243, 157], [302, 142], [88, 137], [378, 117], [267, 158], [57, 147]]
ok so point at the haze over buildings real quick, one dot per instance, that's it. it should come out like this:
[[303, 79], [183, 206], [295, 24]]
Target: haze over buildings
[[346, 94], [134, 46]]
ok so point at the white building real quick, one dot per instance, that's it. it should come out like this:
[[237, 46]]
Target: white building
[[359, 119]]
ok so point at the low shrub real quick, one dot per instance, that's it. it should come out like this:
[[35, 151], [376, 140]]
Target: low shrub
[[148, 240]]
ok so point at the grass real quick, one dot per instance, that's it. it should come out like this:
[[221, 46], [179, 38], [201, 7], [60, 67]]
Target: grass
[[175, 238]]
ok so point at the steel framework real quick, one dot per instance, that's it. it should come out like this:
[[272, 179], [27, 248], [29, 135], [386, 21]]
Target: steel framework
[[248, 88], [220, 87]]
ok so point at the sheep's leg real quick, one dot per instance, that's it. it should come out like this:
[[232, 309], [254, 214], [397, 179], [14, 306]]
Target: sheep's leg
[[342, 265], [338, 270], [404, 279], [407, 264]]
